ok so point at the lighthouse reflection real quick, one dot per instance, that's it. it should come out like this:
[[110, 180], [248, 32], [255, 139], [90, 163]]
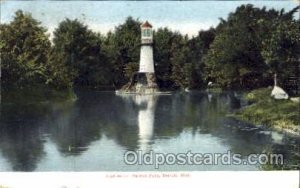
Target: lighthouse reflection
[[146, 111], [146, 105]]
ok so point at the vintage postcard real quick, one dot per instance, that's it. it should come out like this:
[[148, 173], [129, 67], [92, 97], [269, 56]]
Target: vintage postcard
[[150, 91]]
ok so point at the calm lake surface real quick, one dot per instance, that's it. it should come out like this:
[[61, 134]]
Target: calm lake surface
[[94, 132]]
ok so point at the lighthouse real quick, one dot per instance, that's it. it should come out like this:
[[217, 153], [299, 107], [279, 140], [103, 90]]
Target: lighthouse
[[146, 54], [144, 80]]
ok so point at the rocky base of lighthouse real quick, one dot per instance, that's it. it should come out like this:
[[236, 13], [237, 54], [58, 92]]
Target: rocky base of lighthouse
[[141, 83]]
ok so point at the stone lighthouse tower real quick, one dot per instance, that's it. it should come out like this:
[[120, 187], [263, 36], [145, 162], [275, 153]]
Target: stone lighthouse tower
[[143, 81], [146, 56]]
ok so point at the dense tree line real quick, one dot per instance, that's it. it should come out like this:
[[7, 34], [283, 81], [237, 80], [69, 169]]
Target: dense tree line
[[244, 51], [250, 46]]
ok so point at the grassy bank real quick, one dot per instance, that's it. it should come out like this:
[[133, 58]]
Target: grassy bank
[[281, 115]]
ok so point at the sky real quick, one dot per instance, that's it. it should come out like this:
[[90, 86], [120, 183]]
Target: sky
[[187, 17]]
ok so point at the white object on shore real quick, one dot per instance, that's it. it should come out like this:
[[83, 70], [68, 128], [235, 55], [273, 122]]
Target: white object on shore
[[279, 93]]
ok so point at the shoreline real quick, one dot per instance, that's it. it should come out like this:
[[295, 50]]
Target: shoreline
[[276, 115]]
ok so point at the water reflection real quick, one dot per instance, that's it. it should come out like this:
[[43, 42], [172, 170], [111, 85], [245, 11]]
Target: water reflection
[[20, 141], [93, 132], [146, 105], [73, 127]]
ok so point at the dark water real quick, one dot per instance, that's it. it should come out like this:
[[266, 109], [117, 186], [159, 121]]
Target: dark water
[[94, 132]]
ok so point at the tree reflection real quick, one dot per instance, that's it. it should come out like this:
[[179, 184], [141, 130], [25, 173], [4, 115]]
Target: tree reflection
[[74, 125], [20, 135]]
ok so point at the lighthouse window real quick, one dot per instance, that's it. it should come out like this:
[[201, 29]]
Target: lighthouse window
[[147, 33], [144, 33]]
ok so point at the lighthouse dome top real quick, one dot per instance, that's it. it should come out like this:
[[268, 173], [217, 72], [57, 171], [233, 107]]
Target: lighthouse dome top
[[146, 25]]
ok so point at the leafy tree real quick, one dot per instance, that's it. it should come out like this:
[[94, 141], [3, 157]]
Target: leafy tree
[[180, 60], [234, 59], [281, 49], [60, 76], [79, 49], [163, 39], [198, 48], [24, 46], [123, 47], [130, 69]]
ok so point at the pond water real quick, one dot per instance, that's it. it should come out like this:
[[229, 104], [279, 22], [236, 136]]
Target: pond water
[[94, 133]]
